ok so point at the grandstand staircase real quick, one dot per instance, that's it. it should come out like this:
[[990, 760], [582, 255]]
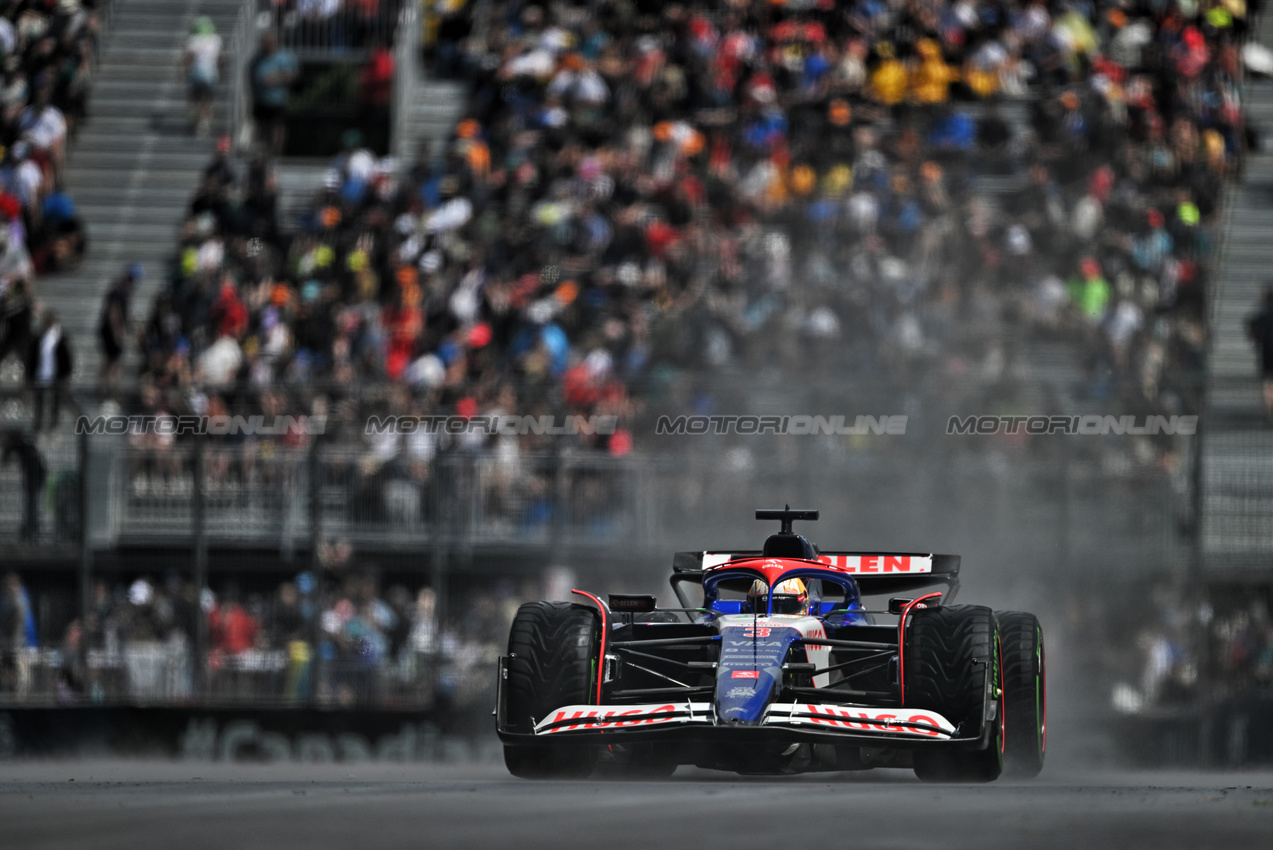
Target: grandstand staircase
[[133, 166], [1237, 484], [434, 112]]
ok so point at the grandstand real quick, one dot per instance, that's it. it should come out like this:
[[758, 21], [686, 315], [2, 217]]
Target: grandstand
[[131, 168], [628, 211]]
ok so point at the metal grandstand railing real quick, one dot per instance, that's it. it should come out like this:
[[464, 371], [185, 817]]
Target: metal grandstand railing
[[1083, 509], [1237, 493], [265, 494], [247, 28], [268, 497], [406, 79], [164, 673], [53, 500], [347, 29], [1235, 487], [261, 496]]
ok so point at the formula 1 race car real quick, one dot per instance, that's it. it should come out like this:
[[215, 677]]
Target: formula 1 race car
[[779, 669]]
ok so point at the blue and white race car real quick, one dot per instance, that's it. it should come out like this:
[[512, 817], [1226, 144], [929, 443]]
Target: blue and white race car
[[774, 664]]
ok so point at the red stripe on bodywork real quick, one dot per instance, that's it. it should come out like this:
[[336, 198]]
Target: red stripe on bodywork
[[605, 629], [901, 646]]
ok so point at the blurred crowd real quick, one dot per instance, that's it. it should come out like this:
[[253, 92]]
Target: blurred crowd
[[344, 644], [638, 191], [47, 50], [1218, 648], [355, 641]]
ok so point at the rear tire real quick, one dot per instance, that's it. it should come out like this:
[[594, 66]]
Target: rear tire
[[952, 667], [1025, 695], [552, 651]]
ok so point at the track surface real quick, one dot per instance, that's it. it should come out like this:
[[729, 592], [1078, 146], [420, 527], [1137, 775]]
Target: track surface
[[139, 805]]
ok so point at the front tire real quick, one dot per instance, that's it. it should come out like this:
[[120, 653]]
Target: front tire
[[552, 651], [952, 667], [1025, 695]]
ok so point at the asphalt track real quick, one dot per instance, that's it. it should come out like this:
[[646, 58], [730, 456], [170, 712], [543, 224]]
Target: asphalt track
[[147, 804]]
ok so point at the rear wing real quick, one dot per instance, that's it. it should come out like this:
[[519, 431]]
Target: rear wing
[[876, 573]]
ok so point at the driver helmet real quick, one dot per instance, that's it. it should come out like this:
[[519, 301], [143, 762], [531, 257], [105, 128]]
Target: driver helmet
[[790, 597]]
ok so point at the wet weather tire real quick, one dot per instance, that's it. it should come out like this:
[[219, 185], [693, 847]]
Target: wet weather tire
[[1024, 694], [553, 650], [952, 667]]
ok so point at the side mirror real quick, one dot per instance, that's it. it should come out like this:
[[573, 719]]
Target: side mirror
[[625, 603]]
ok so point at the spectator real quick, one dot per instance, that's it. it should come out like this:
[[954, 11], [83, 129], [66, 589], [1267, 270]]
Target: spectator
[[49, 365], [60, 241], [15, 261], [1260, 331], [1090, 290], [219, 365], [142, 629], [233, 630], [202, 61], [270, 77], [447, 28], [20, 448], [15, 319], [44, 127], [292, 631], [114, 322], [71, 676], [17, 636], [375, 86], [74, 29]]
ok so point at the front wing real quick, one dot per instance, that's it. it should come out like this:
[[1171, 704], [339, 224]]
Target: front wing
[[855, 718], [692, 720]]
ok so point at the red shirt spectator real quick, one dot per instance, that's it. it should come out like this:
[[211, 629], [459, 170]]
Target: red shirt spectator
[[232, 628], [404, 324], [376, 82], [228, 313]]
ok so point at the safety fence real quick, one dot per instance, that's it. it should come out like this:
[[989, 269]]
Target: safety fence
[[1059, 513], [40, 492], [457, 516], [1237, 490], [272, 497], [1229, 733], [164, 673], [336, 28]]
